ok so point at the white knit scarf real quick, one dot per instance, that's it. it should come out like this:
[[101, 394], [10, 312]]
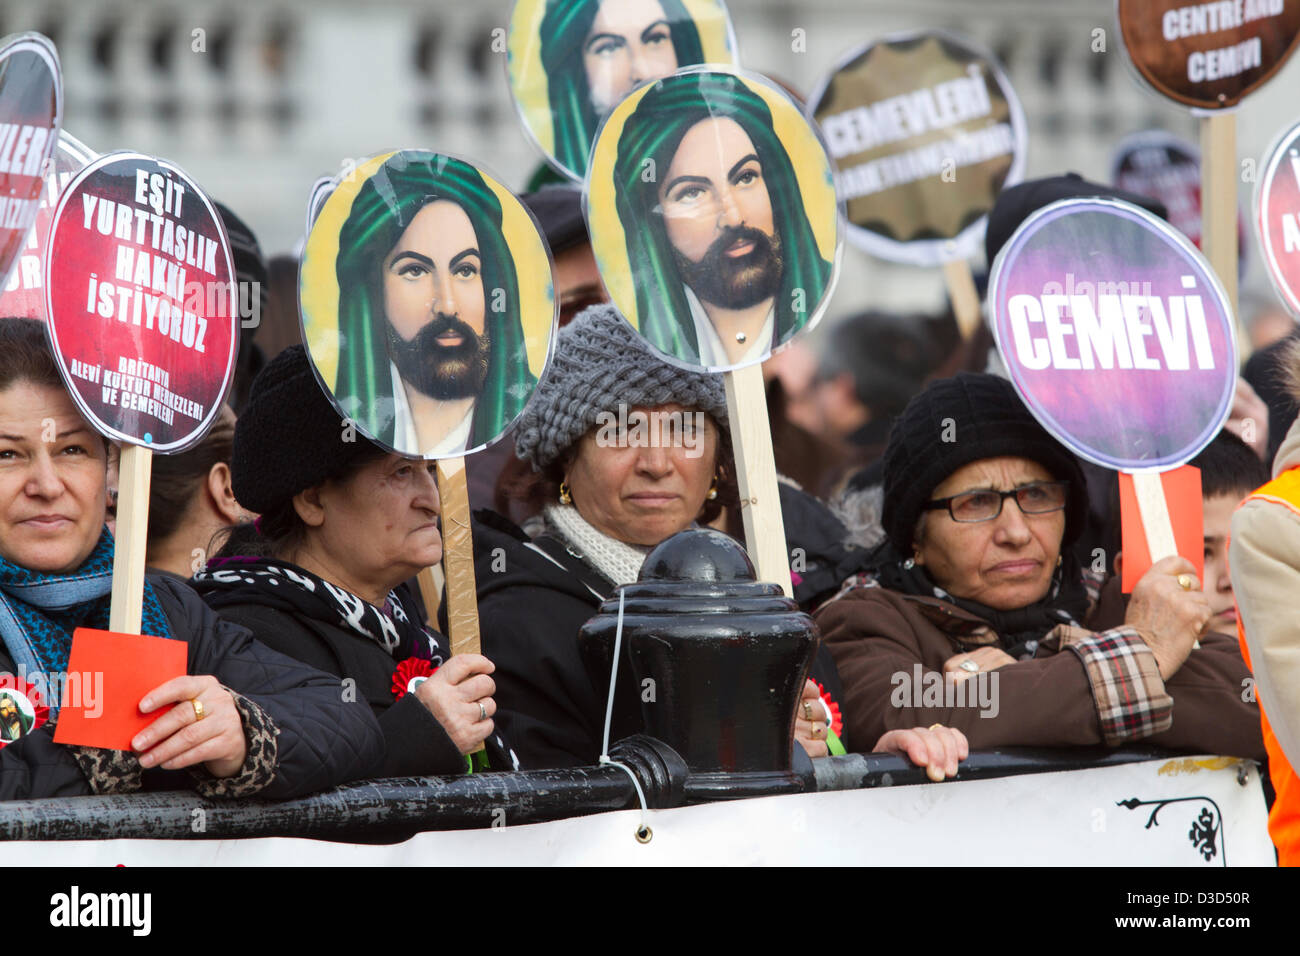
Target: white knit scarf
[[617, 561]]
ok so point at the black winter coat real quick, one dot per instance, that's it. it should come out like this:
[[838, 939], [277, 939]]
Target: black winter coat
[[821, 559], [415, 744], [322, 741], [534, 596]]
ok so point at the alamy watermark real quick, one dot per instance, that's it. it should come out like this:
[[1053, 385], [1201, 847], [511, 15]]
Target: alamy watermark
[[634, 428], [69, 689], [930, 689]]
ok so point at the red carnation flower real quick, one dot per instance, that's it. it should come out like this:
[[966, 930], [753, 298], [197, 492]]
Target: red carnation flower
[[407, 672]]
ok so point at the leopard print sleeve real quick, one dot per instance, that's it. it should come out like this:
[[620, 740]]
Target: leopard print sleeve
[[108, 771], [261, 738]]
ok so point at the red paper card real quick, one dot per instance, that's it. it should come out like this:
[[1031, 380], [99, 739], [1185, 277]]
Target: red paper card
[[1183, 494], [113, 672]]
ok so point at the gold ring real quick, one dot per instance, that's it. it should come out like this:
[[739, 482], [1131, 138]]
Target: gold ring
[[969, 666], [934, 727], [1186, 581], [807, 710], [198, 709]]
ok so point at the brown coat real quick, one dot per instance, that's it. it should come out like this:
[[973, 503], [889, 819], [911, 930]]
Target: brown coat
[[877, 638]]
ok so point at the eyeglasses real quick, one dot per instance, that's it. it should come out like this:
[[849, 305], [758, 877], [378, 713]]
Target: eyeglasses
[[1035, 498]]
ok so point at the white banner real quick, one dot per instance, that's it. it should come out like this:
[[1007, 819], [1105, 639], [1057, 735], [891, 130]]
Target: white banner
[[1179, 812]]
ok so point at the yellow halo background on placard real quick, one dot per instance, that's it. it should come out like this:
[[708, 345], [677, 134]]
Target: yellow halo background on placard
[[528, 79], [807, 156], [319, 284]]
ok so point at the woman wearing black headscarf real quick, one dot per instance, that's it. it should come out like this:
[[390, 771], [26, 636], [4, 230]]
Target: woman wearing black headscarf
[[977, 616]]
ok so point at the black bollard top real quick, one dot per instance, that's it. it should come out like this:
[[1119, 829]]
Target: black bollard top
[[717, 662], [700, 571], [698, 554]]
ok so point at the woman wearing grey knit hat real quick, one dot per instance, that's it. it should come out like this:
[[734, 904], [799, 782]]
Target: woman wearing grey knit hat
[[628, 451]]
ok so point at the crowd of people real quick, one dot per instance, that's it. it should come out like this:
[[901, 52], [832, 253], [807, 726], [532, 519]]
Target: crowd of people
[[283, 550], [962, 567]]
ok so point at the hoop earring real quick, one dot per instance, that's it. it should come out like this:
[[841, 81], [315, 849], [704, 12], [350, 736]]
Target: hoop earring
[[565, 497], [713, 489]]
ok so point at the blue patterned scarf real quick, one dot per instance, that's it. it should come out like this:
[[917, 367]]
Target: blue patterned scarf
[[39, 611]]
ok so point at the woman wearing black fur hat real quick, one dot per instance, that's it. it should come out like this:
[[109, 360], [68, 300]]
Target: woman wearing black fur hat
[[977, 616], [319, 575]]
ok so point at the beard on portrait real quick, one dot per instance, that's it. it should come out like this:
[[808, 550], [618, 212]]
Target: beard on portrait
[[445, 372], [735, 281]]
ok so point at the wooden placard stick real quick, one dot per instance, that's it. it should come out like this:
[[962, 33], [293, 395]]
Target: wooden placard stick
[[760, 504], [130, 539], [1219, 206], [1154, 509], [431, 581], [965, 298], [458, 557]]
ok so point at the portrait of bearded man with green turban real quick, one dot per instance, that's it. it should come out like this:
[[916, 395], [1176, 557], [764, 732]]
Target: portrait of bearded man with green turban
[[432, 353], [724, 261], [595, 52], [14, 722]]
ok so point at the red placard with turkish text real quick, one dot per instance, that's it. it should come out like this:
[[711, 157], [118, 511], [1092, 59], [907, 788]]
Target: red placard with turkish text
[[31, 114], [23, 296], [1277, 215], [141, 301]]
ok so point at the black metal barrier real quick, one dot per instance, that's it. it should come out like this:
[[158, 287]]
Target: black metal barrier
[[695, 621], [863, 771], [388, 811]]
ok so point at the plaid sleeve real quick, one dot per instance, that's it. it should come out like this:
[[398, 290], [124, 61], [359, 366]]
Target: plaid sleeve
[[1126, 684]]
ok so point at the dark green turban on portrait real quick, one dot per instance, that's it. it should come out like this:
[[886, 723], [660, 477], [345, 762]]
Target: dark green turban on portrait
[[664, 115], [564, 31], [24, 721], [383, 209]]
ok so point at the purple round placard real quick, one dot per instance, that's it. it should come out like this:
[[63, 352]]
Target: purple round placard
[[1116, 333]]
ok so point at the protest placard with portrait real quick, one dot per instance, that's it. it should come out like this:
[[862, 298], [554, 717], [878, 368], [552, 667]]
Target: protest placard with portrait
[[572, 61], [713, 217], [427, 303]]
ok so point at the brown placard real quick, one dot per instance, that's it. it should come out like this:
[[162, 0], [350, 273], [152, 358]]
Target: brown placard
[[1208, 55], [926, 131]]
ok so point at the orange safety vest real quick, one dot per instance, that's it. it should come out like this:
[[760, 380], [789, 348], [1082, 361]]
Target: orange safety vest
[[1284, 818]]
